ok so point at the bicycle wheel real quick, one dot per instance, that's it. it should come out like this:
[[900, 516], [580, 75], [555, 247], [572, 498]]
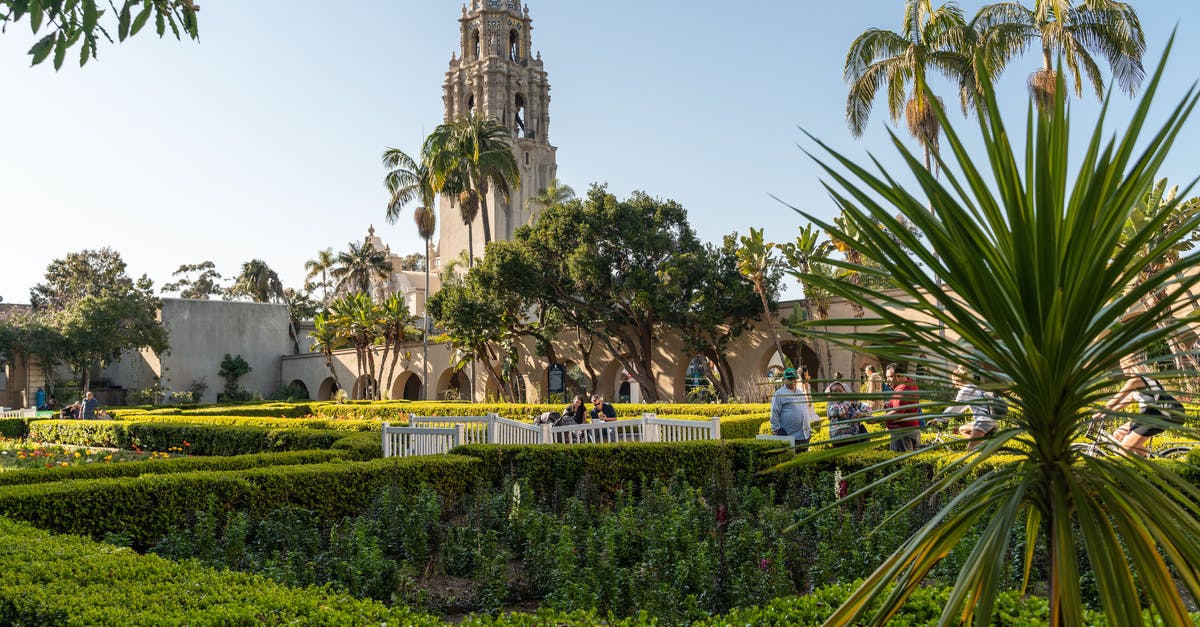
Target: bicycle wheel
[[1175, 452]]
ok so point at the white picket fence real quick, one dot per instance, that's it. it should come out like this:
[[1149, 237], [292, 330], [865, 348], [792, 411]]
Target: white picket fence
[[428, 435], [19, 413]]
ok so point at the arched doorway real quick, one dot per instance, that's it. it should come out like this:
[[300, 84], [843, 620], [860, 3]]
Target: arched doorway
[[364, 387], [299, 390], [454, 385], [412, 388], [327, 390]]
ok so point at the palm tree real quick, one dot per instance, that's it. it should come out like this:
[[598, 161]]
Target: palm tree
[[327, 338], [407, 180], [1078, 33], [1037, 289], [394, 322], [878, 59], [357, 266], [555, 193], [469, 156], [358, 320], [258, 282], [323, 263], [754, 261], [803, 256], [1159, 199], [426, 222]]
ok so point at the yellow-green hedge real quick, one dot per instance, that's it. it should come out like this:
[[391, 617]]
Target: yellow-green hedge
[[146, 507], [65, 580]]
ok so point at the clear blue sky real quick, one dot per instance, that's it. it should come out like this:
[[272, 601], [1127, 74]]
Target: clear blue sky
[[263, 139]]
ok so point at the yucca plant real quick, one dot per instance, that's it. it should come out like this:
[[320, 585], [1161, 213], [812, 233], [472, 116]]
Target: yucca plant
[[1035, 296]]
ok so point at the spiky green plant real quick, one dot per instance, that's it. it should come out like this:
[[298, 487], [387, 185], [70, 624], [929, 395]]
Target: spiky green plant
[[1036, 295]]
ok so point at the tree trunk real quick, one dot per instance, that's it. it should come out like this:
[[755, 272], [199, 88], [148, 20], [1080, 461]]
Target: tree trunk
[[332, 372], [483, 209], [585, 350], [762, 296], [383, 363]]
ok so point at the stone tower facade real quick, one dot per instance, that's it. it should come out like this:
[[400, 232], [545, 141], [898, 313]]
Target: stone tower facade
[[494, 74]]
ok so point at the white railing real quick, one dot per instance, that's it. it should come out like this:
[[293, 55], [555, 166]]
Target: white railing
[[412, 441], [19, 413], [475, 427], [429, 435]]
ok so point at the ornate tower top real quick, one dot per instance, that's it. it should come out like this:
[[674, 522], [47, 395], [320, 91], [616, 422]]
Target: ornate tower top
[[496, 74]]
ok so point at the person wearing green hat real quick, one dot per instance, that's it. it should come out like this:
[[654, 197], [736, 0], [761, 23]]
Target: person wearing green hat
[[790, 412]]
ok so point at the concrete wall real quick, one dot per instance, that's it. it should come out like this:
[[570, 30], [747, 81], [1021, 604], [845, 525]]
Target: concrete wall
[[201, 333]]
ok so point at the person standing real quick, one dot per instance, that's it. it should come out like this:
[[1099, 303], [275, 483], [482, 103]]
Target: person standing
[[903, 410], [790, 412], [873, 385], [88, 408]]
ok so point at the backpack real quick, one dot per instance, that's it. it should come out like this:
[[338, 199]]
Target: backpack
[[996, 407], [1153, 400]]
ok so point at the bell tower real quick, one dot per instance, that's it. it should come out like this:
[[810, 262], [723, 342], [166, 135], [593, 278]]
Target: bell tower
[[494, 73]]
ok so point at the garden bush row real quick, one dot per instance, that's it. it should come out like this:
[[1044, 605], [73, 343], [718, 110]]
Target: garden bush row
[[64, 580], [61, 580], [167, 466], [146, 507], [558, 471], [392, 410], [348, 424], [277, 409], [193, 438]]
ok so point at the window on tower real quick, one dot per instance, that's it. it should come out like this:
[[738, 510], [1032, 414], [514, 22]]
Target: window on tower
[[519, 105], [475, 42], [514, 45]]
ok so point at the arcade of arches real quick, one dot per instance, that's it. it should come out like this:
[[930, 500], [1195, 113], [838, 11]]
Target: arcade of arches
[[679, 377]]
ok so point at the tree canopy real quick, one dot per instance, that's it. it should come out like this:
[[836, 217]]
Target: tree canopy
[[68, 23], [96, 311]]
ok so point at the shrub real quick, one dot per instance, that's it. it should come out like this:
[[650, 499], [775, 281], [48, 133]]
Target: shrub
[[103, 433], [56, 580], [146, 507], [556, 471], [14, 427], [167, 466]]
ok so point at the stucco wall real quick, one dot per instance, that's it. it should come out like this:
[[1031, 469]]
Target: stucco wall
[[200, 333]]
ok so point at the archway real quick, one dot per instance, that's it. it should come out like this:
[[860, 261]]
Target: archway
[[299, 390], [453, 386], [327, 390], [697, 386], [519, 117], [518, 383], [412, 388], [407, 386], [364, 388]]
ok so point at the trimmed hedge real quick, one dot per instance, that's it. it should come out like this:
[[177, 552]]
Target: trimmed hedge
[[557, 470], [924, 607], [167, 466], [14, 427], [144, 508], [63, 580], [394, 410], [265, 410], [259, 421], [361, 446], [195, 438]]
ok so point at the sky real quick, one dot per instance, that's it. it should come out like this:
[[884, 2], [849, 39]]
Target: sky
[[263, 139]]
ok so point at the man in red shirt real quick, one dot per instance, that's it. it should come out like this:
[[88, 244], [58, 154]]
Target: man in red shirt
[[902, 411]]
